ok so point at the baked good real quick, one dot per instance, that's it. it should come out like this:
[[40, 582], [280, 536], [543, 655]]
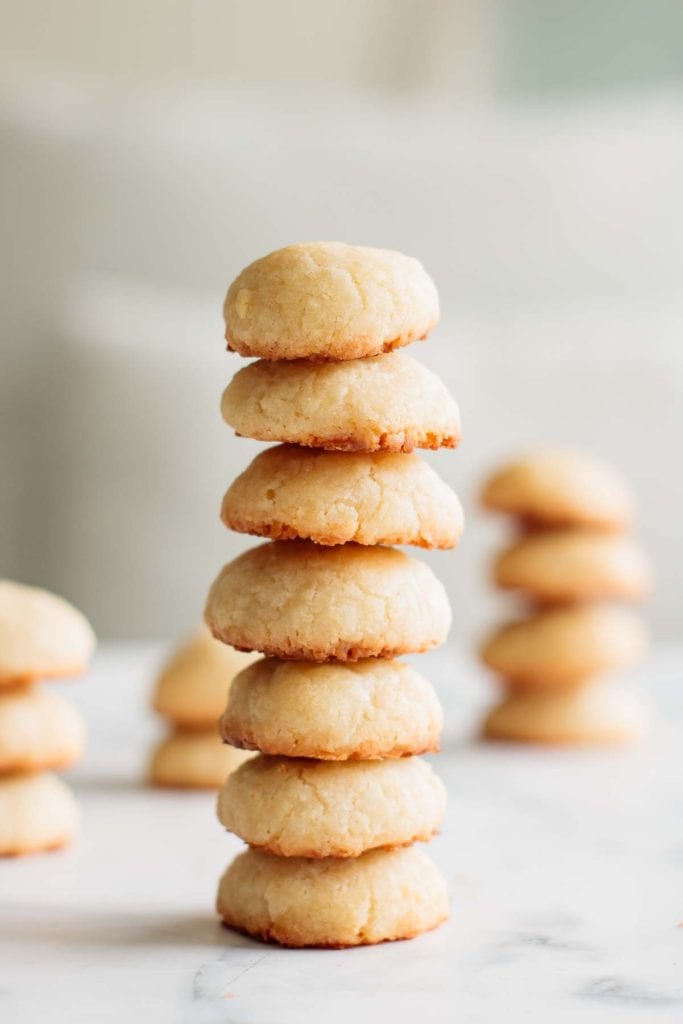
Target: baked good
[[328, 300], [37, 812], [336, 497], [38, 731], [297, 600], [194, 760]]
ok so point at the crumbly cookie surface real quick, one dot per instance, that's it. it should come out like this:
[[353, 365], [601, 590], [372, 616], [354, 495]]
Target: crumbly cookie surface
[[387, 403], [336, 497], [301, 808], [328, 300], [353, 711], [298, 600], [377, 897]]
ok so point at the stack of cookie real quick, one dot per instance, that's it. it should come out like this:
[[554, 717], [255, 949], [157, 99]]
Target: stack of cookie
[[574, 561], [336, 796], [41, 637], [190, 694]]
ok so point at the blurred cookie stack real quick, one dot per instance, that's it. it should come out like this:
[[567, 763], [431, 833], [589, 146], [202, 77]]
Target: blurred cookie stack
[[41, 637], [190, 694], [574, 561], [336, 797]]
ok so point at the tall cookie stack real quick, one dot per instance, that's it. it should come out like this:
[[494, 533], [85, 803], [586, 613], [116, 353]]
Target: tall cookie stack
[[190, 694], [574, 561], [336, 796], [41, 637]]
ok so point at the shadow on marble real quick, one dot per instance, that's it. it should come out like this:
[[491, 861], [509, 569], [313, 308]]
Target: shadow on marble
[[54, 925]]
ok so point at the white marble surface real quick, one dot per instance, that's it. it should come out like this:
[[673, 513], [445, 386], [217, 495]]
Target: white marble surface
[[565, 871]]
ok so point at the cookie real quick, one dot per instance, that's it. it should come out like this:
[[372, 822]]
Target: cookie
[[299, 808], [388, 403], [597, 713], [297, 600], [37, 812], [334, 712], [562, 647], [575, 565], [382, 895], [38, 731], [335, 497], [41, 636], [194, 760], [560, 487], [193, 685], [328, 300]]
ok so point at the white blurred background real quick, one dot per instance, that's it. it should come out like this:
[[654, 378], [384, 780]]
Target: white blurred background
[[529, 153]]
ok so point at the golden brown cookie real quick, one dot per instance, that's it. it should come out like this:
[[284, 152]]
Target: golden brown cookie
[[380, 896], [597, 713], [328, 300], [388, 403], [335, 497], [562, 647], [193, 685], [37, 813], [194, 760], [38, 731], [353, 711], [575, 565], [561, 487], [41, 636], [301, 808], [297, 600]]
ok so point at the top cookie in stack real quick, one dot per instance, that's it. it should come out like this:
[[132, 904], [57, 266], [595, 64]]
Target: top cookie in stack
[[348, 410]]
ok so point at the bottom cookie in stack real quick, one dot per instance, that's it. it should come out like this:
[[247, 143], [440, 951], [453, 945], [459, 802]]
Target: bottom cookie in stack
[[190, 694], [331, 810]]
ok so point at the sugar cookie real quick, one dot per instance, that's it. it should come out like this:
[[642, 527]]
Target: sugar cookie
[[38, 731], [390, 403], [297, 600], [193, 685], [335, 497], [575, 565], [37, 812], [382, 895], [353, 711], [41, 635], [328, 300], [194, 760], [561, 487], [302, 808]]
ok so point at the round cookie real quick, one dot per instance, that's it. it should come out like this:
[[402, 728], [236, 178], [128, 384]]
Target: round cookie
[[296, 600], [334, 712], [300, 808], [328, 300], [193, 760], [574, 565], [562, 647], [597, 713], [384, 403], [561, 487], [192, 687], [335, 497], [37, 812], [38, 731], [380, 896], [41, 636]]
